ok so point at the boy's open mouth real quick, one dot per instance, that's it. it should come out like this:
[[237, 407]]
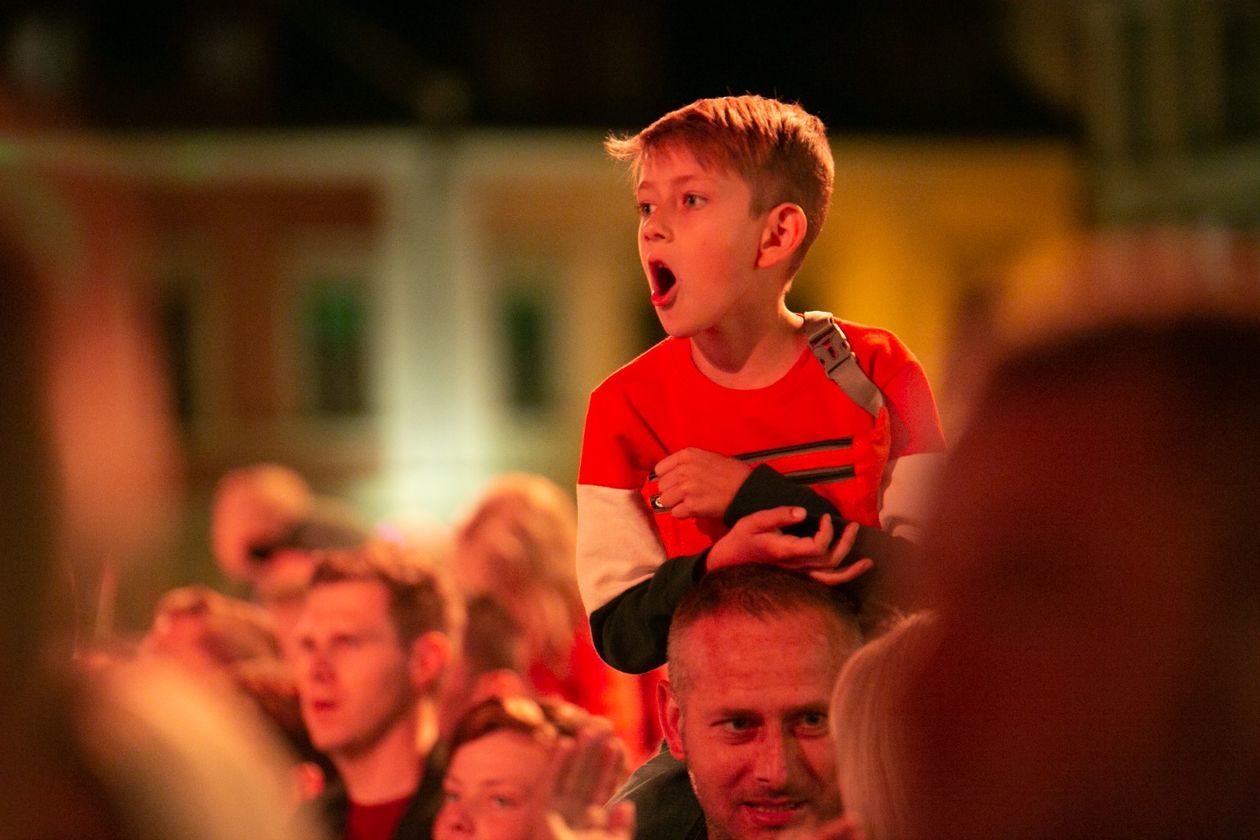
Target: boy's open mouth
[[663, 283]]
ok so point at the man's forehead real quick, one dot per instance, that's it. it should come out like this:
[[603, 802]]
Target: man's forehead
[[736, 652], [359, 602], [710, 630]]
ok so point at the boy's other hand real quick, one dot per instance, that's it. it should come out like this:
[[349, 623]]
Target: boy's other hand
[[757, 538], [696, 482], [829, 567]]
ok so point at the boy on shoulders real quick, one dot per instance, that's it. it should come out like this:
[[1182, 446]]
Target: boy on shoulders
[[729, 442]]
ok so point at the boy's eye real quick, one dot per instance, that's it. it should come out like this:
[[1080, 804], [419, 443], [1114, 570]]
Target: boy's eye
[[502, 801], [645, 209], [692, 200]]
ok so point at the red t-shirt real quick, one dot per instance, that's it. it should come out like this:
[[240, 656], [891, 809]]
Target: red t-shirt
[[661, 403], [375, 822]]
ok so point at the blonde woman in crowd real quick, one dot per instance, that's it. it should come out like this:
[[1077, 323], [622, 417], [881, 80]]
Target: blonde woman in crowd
[[868, 731], [517, 546]]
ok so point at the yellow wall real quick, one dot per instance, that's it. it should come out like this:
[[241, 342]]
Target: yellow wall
[[916, 227]]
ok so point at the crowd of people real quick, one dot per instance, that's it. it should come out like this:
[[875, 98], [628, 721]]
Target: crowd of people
[[1050, 630]]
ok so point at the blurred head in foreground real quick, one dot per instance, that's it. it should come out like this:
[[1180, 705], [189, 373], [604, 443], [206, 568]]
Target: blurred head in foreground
[[1094, 570]]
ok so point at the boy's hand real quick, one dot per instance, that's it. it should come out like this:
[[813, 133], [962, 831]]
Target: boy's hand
[[757, 538], [696, 482], [828, 568]]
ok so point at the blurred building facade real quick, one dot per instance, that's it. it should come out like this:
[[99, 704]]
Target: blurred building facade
[[400, 312], [399, 315], [1168, 95]]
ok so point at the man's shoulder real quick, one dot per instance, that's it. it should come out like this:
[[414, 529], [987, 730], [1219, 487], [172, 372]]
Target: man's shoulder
[[332, 805], [665, 804], [417, 821]]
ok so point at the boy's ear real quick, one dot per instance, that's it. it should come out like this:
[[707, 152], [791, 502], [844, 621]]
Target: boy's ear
[[783, 234], [671, 719]]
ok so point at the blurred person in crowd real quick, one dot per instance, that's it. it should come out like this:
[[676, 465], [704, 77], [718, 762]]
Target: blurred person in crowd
[[524, 770], [517, 545], [266, 523], [377, 633], [493, 664], [1094, 573], [230, 643], [867, 713], [207, 631], [134, 753], [181, 759], [753, 655]]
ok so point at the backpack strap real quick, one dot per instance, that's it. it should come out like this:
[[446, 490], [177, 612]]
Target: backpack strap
[[832, 350]]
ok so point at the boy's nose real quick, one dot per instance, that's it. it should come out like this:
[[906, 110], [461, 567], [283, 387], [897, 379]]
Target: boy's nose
[[656, 228]]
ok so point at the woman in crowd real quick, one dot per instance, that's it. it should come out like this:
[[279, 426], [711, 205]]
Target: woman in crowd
[[517, 546], [872, 754], [524, 770]]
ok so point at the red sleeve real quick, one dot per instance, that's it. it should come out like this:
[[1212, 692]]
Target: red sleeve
[[618, 447], [915, 421]]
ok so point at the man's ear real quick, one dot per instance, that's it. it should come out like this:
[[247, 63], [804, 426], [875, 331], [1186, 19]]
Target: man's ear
[[430, 654], [783, 233], [671, 719]]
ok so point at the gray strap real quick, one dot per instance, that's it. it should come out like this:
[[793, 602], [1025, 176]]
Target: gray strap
[[831, 348]]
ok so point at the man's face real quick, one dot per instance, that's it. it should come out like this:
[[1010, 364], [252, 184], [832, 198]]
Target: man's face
[[354, 675], [698, 243], [751, 721]]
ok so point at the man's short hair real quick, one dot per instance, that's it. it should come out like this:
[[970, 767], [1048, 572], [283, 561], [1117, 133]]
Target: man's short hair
[[421, 597], [778, 148], [762, 592]]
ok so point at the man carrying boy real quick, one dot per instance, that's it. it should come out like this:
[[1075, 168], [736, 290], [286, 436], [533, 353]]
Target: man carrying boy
[[750, 754], [729, 442]]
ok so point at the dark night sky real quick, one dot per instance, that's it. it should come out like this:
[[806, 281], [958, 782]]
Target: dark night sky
[[893, 67]]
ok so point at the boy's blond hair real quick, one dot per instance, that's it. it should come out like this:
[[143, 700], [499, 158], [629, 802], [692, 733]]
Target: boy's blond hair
[[778, 148]]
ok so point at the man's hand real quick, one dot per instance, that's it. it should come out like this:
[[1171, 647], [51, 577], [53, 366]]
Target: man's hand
[[757, 538], [696, 482]]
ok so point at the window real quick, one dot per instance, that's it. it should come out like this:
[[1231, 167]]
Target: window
[[334, 330], [529, 364]]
